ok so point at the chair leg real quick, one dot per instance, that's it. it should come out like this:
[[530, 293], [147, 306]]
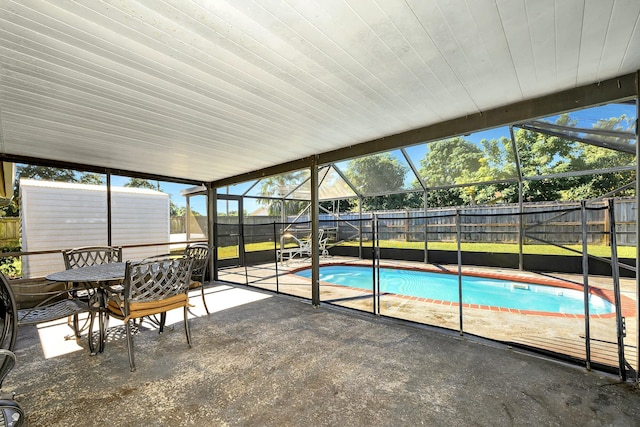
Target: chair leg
[[76, 325], [103, 324], [186, 325], [74, 322], [132, 363], [163, 320], [92, 316], [204, 301]]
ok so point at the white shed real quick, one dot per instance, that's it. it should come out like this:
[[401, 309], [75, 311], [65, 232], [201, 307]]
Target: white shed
[[60, 215]]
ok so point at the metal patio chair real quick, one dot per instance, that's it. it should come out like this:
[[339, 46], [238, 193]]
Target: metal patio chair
[[304, 247], [91, 255], [151, 287], [200, 252], [11, 414], [87, 256], [40, 301], [8, 316]]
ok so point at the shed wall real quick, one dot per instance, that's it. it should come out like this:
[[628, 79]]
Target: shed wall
[[61, 216]]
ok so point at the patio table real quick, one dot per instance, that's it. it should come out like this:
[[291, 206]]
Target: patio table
[[102, 275], [94, 273]]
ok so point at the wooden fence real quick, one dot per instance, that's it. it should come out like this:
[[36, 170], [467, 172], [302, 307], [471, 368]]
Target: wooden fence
[[560, 223], [9, 232], [557, 222], [498, 223]]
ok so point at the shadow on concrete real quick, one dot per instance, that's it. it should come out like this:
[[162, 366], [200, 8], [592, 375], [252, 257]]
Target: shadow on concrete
[[262, 359]]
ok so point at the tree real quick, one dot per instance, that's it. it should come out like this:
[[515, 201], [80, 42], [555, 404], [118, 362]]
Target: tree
[[91, 178], [456, 161], [342, 205], [280, 186], [46, 173], [442, 197], [375, 174], [174, 210], [450, 160], [142, 183], [497, 163], [542, 155]]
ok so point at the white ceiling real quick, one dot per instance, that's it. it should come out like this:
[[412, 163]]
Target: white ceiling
[[205, 90]]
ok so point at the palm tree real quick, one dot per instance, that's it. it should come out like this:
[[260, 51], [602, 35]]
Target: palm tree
[[277, 188]]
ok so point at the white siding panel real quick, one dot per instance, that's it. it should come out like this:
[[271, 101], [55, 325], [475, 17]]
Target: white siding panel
[[59, 216], [140, 220]]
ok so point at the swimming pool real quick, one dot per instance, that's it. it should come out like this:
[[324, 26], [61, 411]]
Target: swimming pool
[[475, 290]]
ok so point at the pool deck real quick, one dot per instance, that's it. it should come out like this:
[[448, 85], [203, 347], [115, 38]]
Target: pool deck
[[261, 359], [561, 334], [627, 304]]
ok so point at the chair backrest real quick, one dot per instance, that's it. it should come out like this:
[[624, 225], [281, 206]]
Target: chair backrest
[[306, 243], [11, 414], [156, 279], [7, 362], [200, 254], [91, 255], [8, 316], [9, 333]]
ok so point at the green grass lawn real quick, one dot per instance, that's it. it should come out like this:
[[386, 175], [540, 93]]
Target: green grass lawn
[[509, 248]]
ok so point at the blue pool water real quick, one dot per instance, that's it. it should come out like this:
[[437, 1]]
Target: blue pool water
[[475, 290]]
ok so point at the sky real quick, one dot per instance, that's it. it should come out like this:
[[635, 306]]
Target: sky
[[198, 204]]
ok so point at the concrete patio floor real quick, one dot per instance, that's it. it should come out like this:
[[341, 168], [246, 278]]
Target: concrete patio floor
[[261, 359]]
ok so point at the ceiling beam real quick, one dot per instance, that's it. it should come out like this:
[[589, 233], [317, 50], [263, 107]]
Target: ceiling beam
[[628, 149], [575, 130], [615, 89], [294, 165], [622, 87], [94, 169]]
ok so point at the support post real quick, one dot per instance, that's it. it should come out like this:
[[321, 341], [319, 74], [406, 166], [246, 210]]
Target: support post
[[520, 227], [615, 275], [315, 229], [212, 214], [374, 259], [585, 280], [516, 156], [360, 227], [378, 261], [187, 217], [109, 222], [637, 228], [458, 239], [275, 254], [426, 228]]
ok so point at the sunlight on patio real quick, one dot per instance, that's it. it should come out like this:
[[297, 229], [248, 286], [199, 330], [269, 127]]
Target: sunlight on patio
[[224, 297], [52, 339], [219, 298]]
